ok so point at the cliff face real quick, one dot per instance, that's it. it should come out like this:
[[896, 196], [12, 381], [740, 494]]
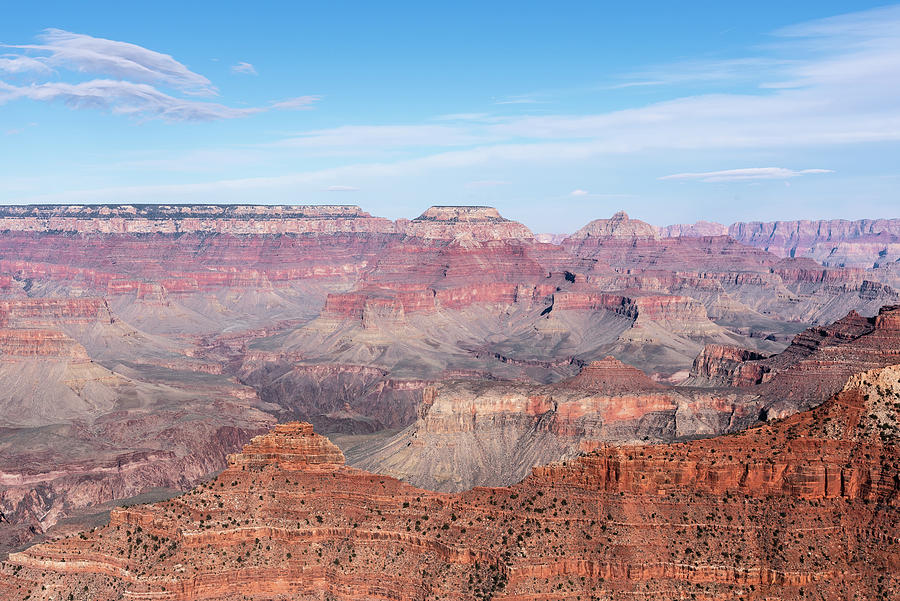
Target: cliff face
[[80, 429], [476, 433], [149, 335], [477, 223], [171, 219], [835, 242], [814, 366], [490, 433], [695, 230], [619, 226], [808, 504], [846, 448], [722, 365]]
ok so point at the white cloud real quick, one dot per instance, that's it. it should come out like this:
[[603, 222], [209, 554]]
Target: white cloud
[[747, 174], [342, 189], [244, 69], [129, 88], [123, 60], [841, 86], [125, 98], [11, 63], [579, 192], [300, 103], [519, 100], [357, 138]]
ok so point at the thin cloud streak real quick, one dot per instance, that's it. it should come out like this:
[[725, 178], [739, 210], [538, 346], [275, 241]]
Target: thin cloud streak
[[15, 64], [87, 54], [131, 73], [243, 68], [125, 98], [746, 174], [300, 103]]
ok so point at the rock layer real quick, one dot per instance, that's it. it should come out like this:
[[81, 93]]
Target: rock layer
[[806, 505]]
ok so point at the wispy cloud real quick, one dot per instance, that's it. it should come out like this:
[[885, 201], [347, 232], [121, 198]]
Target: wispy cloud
[[131, 82], [845, 86], [19, 130], [729, 71], [579, 192], [11, 63], [747, 174], [361, 138], [300, 103], [123, 60], [342, 189], [519, 99], [243, 68], [126, 98]]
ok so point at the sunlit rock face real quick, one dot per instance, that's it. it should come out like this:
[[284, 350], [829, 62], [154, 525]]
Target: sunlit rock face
[[806, 504], [139, 345]]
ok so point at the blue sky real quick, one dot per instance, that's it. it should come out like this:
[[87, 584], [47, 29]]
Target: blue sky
[[556, 113]]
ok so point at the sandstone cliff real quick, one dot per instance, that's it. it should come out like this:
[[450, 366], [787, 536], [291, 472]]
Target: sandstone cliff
[[836, 242], [475, 222], [471, 433], [170, 219], [808, 505]]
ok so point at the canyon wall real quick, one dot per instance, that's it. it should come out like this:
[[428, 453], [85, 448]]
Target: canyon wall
[[836, 242], [146, 335], [809, 504]]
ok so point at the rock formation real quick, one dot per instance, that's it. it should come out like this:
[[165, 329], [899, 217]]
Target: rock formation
[[837, 242], [619, 226], [491, 433], [171, 219], [476, 433], [814, 366], [161, 337], [81, 427], [452, 222], [804, 506]]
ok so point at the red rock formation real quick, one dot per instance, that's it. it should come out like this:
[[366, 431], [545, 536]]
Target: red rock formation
[[37, 312], [729, 366], [17, 345], [170, 219], [693, 230], [619, 226], [808, 504], [471, 433], [477, 223], [289, 447], [836, 242], [611, 376], [638, 248]]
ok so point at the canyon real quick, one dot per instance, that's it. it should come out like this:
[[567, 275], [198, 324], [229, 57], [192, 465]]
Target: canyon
[[802, 506], [141, 344]]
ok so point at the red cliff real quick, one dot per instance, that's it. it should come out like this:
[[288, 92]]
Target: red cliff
[[807, 504]]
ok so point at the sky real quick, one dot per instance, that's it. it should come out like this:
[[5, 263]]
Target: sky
[[555, 113]]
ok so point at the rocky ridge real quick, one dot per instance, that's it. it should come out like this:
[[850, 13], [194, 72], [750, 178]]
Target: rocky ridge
[[470, 433], [807, 504], [836, 242], [165, 333]]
